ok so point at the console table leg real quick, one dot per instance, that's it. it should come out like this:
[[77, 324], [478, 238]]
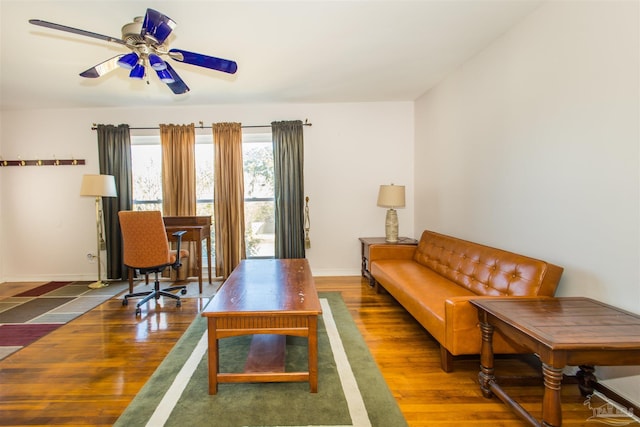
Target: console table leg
[[486, 375], [551, 405], [313, 353], [586, 379]]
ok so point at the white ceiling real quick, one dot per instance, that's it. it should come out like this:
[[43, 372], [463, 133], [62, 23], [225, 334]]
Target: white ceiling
[[287, 51]]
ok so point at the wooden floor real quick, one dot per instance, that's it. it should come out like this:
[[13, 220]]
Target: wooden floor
[[86, 372]]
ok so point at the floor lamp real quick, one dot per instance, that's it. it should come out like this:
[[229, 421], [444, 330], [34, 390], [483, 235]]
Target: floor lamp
[[391, 196], [98, 186]]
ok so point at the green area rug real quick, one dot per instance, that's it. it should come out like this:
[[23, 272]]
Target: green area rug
[[351, 390]]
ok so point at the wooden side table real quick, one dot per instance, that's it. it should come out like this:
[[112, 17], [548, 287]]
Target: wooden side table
[[571, 331], [365, 242]]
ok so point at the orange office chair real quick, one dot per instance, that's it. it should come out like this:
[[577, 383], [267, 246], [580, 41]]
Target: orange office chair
[[146, 248]]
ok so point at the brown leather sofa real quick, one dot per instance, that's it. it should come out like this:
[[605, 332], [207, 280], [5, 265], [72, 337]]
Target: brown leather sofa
[[435, 281]]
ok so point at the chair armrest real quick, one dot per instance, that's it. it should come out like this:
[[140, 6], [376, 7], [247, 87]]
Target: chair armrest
[[178, 235]]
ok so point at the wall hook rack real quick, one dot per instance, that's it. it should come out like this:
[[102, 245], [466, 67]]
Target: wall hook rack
[[49, 162]]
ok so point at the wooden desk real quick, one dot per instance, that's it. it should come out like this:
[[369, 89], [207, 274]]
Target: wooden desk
[[560, 331], [198, 228], [265, 298]]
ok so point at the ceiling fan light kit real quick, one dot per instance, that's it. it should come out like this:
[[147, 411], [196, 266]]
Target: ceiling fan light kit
[[156, 62], [138, 71], [165, 76], [146, 37], [129, 61]]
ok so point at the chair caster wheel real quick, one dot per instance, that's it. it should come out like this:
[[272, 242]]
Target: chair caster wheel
[[125, 302], [178, 303], [183, 291], [138, 311]]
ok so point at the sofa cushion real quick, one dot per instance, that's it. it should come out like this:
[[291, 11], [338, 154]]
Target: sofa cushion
[[421, 291]]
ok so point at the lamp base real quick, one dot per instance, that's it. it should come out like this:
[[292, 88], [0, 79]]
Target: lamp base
[[391, 226], [98, 285]]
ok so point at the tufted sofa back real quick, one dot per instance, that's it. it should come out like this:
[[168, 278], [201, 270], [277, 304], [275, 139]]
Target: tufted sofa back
[[485, 270]]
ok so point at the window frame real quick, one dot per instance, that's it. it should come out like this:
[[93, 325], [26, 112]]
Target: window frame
[[247, 138]]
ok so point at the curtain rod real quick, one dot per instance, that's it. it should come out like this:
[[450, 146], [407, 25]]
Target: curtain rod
[[202, 126]]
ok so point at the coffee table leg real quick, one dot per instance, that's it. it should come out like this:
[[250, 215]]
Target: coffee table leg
[[313, 353], [212, 356], [486, 375], [551, 405]]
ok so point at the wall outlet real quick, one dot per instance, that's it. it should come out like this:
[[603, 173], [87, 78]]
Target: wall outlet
[[91, 258]]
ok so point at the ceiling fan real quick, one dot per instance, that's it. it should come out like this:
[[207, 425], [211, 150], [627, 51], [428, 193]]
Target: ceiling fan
[[146, 38]]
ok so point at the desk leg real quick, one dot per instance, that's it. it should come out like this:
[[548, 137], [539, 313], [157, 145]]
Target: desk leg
[[199, 260], [209, 258], [213, 359], [486, 376], [313, 353], [551, 405]]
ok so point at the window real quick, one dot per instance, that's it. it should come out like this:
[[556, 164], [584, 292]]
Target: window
[[258, 182]]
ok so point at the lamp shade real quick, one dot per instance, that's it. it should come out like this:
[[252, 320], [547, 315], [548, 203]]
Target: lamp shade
[[98, 186], [391, 196], [156, 62], [138, 71], [128, 61], [165, 76]]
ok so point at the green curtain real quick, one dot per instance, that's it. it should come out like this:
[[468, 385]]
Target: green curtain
[[114, 154], [288, 162]]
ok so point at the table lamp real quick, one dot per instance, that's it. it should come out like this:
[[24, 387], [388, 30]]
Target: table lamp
[[98, 186], [391, 196]]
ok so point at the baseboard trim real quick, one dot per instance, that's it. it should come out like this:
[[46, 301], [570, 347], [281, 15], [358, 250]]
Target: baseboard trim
[[617, 398]]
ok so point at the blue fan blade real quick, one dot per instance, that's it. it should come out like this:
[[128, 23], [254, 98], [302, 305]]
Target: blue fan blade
[[102, 68], [224, 65], [157, 26], [178, 87]]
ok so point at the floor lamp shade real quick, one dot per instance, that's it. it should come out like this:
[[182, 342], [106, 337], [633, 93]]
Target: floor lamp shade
[[391, 196], [98, 186]]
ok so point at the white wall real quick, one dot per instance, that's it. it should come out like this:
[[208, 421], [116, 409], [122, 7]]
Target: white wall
[[533, 146], [47, 228]]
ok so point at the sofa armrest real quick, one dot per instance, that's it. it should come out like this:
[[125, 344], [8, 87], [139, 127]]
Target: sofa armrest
[[551, 280], [462, 331], [387, 251]]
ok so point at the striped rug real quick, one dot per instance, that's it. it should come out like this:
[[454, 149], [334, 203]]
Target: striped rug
[[30, 314], [351, 390]]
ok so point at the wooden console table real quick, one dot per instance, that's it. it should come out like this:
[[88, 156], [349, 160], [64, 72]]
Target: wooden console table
[[198, 228], [560, 331], [365, 242], [268, 299]]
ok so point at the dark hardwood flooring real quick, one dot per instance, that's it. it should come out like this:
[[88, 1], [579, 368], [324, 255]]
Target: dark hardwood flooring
[[86, 372]]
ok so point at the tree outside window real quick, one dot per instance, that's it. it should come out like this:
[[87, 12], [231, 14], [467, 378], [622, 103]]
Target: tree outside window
[[258, 178]]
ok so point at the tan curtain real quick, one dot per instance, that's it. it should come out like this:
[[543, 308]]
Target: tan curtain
[[228, 197], [179, 178]]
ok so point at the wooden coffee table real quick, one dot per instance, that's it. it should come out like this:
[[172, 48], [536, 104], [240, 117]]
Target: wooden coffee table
[[268, 299], [560, 331]]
